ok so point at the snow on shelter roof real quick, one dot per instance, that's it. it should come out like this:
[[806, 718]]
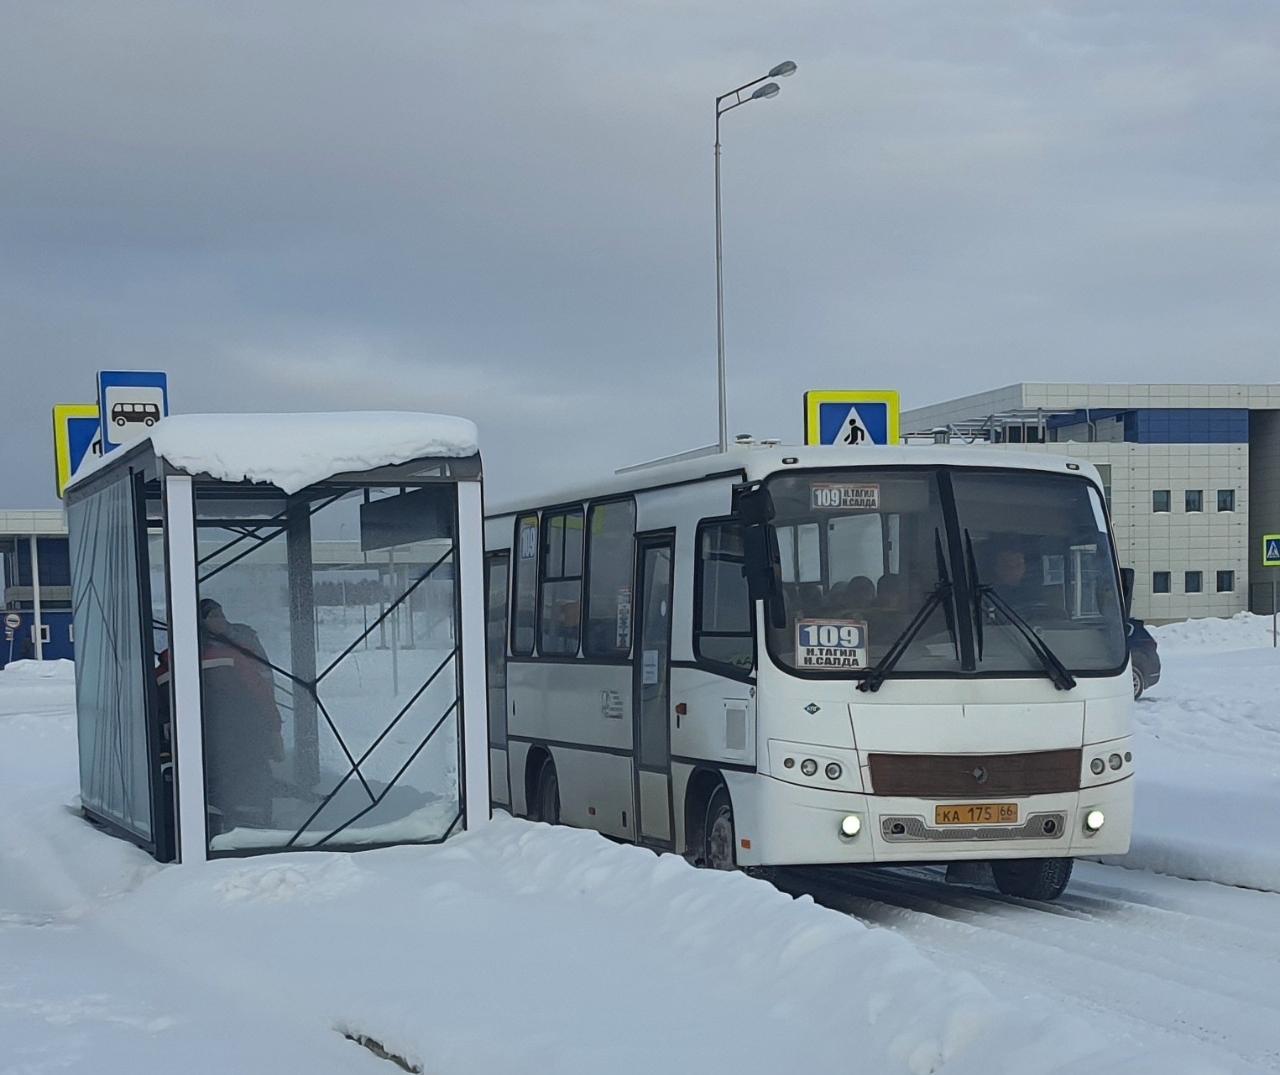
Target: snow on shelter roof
[[294, 450]]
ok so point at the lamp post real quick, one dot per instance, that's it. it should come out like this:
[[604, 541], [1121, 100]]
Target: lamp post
[[762, 93]]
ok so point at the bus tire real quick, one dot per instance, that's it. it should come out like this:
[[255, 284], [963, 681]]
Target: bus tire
[[547, 805], [1032, 879], [719, 839]]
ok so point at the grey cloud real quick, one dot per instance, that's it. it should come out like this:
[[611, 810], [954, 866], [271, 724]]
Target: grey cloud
[[504, 209]]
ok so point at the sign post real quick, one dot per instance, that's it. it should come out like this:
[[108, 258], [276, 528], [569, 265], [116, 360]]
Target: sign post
[[1271, 558], [848, 419], [12, 622]]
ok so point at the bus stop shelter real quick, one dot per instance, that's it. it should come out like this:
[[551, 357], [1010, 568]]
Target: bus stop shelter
[[280, 633]]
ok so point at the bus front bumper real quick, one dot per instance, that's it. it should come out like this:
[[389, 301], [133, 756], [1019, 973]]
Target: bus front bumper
[[796, 826]]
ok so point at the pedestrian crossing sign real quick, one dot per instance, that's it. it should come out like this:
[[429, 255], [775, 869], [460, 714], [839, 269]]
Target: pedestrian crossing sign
[[848, 419], [1271, 550]]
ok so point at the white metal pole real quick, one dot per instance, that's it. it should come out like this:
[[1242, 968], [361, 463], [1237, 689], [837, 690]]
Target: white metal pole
[[474, 725], [720, 370], [184, 664], [38, 626]]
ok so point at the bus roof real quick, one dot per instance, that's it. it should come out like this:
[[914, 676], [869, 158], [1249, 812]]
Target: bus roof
[[757, 461]]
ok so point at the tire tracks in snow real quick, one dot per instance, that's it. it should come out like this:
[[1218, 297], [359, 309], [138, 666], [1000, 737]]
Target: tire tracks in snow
[[1149, 958]]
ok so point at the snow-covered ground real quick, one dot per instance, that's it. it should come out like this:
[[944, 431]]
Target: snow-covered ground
[[521, 948], [1208, 755]]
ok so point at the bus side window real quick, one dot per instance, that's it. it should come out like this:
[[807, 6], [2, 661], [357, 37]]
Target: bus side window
[[524, 613], [722, 629], [611, 557], [495, 635], [561, 583]]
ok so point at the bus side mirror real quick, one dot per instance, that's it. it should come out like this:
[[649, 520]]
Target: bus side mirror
[[1127, 577], [754, 506]]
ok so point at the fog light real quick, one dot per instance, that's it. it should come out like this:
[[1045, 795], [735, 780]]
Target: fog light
[[833, 771], [850, 825], [1115, 761], [788, 763], [1097, 766], [1094, 820], [808, 767]]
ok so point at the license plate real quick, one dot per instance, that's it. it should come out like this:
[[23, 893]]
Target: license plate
[[976, 814]]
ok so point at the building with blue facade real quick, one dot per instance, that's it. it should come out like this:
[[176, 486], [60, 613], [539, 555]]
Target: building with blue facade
[[1193, 472], [35, 576]]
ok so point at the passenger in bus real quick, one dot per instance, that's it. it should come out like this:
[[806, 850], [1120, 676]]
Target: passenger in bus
[[852, 599]]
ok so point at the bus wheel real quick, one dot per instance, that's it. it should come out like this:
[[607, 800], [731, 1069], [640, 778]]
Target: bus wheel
[[719, 845], [1032, 879], [548, 794]]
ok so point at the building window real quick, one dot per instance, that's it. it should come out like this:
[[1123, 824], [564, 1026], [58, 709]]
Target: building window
[[525, 590], [1161, 500], [722, 622], [1160, 582], [1226, 581], [1194, 499], [1193, 582], [610, 563], [1226, 500], [560, 613]]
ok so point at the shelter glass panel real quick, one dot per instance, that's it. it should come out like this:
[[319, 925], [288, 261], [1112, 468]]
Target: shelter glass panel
[[329, 670], [113, 661]]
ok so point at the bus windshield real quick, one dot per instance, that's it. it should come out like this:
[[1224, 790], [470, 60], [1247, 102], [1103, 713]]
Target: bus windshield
[[969, 553]]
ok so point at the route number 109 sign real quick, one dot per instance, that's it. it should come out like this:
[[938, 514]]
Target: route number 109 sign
[[831, 644]]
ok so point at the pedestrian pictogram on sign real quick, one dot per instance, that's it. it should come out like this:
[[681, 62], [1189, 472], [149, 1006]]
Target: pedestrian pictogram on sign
[[1271, 550], [846, 419]]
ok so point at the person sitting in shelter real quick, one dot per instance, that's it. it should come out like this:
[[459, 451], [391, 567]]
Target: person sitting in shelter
[[242, 732]]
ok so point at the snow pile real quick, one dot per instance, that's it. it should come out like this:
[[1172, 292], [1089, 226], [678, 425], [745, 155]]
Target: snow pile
[[60, 670], [1244, 630], [512, 948], [1207, 756], [292, 451]]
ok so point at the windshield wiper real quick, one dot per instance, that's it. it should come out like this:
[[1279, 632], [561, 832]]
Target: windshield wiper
[[1063, 680], [942, 592]]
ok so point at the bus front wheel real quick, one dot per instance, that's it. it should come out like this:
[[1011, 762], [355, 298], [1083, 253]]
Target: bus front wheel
[[1032, 879], [719, 844]]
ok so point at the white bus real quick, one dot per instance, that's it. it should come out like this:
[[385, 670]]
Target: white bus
[[782, 656]]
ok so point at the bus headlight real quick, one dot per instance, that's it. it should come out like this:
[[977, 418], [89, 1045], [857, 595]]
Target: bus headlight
[[850, 825], [1115, 761], [833, 770], [1097, 766], [1094, 820], [808, 767]]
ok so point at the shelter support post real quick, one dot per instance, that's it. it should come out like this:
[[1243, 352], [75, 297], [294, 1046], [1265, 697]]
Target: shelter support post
[[184, 663], [471, 600], [302, 633]]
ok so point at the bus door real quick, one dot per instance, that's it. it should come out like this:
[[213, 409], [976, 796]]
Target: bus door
[[497, 566], [651, 690]]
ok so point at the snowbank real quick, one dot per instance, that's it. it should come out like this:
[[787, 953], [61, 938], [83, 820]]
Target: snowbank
[[1207, 756], [293, 451], [513, 948], [1244, 630]]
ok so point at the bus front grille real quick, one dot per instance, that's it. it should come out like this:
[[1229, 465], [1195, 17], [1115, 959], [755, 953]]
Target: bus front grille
[[975, 776]]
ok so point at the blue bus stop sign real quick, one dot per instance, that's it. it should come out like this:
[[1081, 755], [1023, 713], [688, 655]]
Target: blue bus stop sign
[[130, 402]]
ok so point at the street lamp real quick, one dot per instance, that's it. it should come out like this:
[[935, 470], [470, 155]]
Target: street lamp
[[762, 93]]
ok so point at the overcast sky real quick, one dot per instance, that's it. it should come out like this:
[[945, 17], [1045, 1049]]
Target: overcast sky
[[504, 209]]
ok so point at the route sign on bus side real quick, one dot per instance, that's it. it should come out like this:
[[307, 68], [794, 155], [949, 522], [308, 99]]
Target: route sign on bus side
[[1271, 550], [851, 418]]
